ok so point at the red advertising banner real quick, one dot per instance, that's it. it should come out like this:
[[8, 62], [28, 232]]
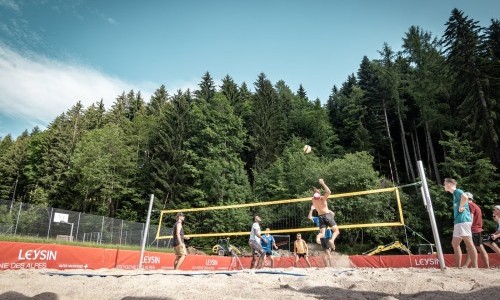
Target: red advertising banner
[[414, 261], [15, 255]]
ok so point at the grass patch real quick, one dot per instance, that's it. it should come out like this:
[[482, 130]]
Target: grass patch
[[37, 240]]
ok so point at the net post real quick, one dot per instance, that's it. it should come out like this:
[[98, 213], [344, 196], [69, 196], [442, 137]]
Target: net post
[[430, 210], [146, 229]]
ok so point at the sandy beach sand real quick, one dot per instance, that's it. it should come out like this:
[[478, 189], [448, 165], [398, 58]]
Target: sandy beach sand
[[316, 283]]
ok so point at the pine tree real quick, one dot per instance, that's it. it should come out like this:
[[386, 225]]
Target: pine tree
[[427, 83], [93, 116], [269, 124], [207, 88], [5, 144], [168, 153], [12, 163], [374, 120], [216, 171], [301, 92], [158, 101], [462, 41]]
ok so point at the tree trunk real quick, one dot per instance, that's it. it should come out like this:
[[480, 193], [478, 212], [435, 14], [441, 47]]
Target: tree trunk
[[390, 141], [432, 153], [406, 153]]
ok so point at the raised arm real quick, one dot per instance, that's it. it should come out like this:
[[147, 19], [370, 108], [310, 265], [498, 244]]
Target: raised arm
[[325, 188]]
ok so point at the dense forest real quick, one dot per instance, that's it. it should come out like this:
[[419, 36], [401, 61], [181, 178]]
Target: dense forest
[[437, 100]]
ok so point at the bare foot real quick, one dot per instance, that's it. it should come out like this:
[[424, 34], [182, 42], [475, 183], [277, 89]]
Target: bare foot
[[332, 245]]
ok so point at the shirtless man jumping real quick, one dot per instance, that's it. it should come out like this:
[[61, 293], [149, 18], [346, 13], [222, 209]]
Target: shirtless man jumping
[[324, 214]]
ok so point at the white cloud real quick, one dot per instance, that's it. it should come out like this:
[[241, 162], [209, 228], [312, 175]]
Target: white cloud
[[38, 89], [9, 4], [111, 21]]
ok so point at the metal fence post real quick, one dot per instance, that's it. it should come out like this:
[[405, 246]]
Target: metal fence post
[[121, 232], [18, 216], [78, 225], [50, 222], [102, 229]]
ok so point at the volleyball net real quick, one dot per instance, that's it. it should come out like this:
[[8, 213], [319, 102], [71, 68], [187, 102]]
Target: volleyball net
[[371, 208]]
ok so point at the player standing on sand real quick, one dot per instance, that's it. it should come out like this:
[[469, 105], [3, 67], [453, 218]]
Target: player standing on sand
[[324, 214], [255, 244], [462, 220], [178, 241]]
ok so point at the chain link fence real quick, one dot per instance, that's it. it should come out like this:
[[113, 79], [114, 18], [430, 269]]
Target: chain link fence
[[52, 223]]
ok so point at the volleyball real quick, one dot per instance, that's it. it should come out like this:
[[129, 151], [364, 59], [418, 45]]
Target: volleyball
[[307, 149]]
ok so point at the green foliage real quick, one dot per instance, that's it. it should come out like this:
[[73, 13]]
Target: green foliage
[[290, 176], [474, 172], [104, 164], [353, 172], [167, 144], [216, 139], [5, 144], [268, 128], [473, 89], [5, 217], [233, 145], [12, 163]]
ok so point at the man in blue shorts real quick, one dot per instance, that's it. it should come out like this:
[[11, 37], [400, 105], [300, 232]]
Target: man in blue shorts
[[325, 241], [268, 244]]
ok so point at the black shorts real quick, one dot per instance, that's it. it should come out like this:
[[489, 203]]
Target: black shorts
[[497, 241], [487, 239], [326, 220], [303, 255], [477, 238], [269, 253]]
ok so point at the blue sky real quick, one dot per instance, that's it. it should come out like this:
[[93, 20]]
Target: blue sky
[[54, 53]]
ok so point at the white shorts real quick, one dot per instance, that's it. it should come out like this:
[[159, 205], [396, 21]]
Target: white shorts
[[462, 229], [256, 246]]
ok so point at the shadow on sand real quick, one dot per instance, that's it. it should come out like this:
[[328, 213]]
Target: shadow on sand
[[325, 292]]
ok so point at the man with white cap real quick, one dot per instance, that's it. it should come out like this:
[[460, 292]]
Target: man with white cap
[[477, 229], [496, 210], [494, 239]]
